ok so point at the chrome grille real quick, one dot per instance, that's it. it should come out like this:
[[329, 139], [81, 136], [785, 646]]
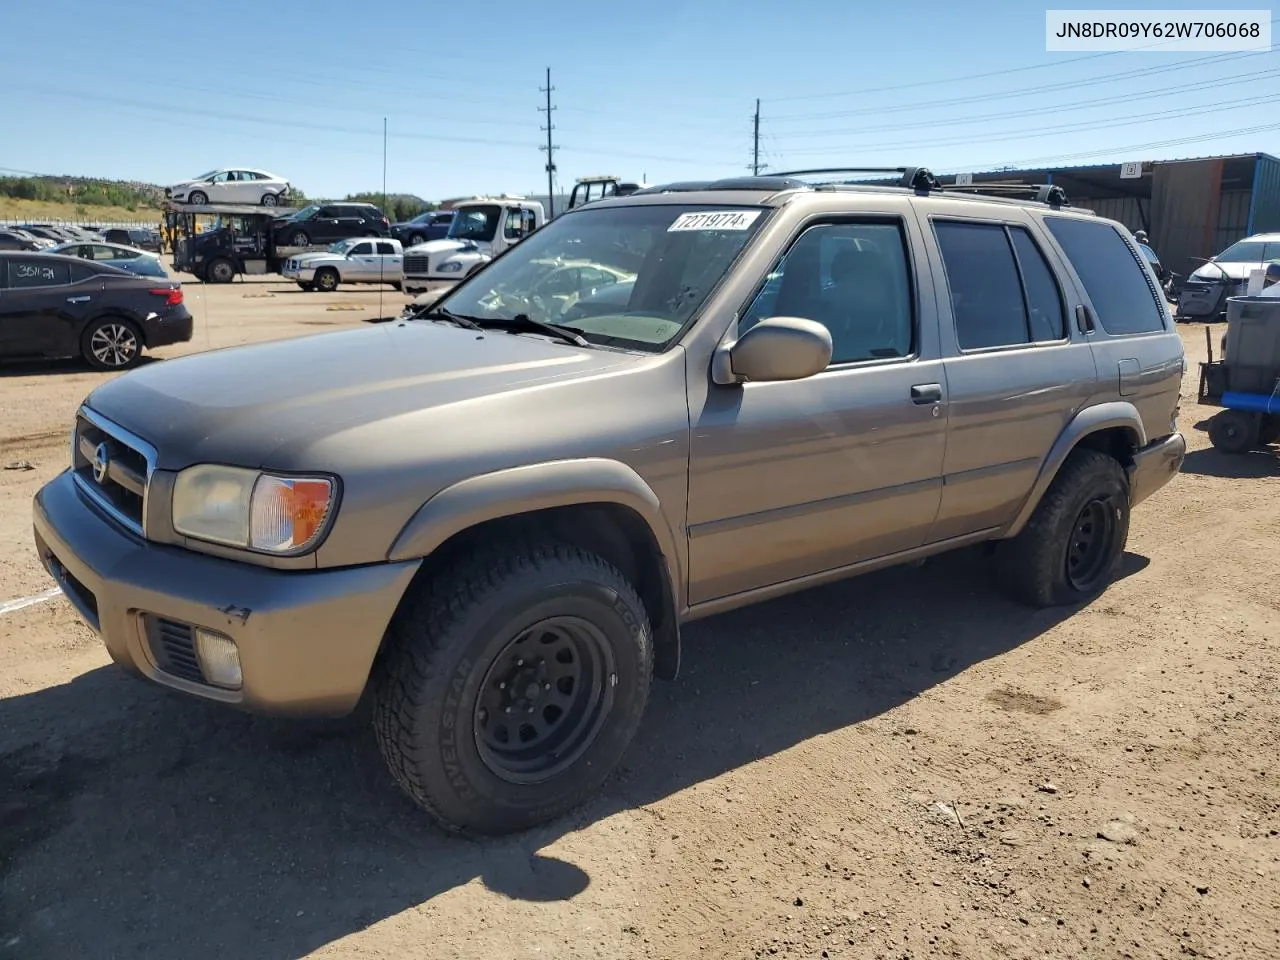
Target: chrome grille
[[112, 468], [417, 264]]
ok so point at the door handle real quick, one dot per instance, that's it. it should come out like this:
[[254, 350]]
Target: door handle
[[926, 393], [78, 299], [1084, 318]]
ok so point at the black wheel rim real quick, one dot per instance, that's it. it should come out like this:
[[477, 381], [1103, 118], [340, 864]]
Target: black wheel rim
[[544, 699], [299, 239], [1089, 552]]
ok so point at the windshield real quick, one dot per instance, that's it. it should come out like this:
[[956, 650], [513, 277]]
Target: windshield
[[622, 276], [305, 212], [1250, 251], [475, 223], [206, 176], [342, 246]]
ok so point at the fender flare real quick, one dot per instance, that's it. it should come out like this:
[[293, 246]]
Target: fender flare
[[541, 486], [1102, 416]]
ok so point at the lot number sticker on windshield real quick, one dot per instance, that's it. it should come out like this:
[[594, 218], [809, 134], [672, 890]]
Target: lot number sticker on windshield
[[715, 220]]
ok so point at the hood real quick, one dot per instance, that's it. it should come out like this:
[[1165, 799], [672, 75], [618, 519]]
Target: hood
[[1236, 271], [433, 247], [270, 404]]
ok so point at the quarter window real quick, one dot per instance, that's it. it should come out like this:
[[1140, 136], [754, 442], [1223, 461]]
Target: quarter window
[[1117, 283], [852, 278], [386, 250], [1002, 290]]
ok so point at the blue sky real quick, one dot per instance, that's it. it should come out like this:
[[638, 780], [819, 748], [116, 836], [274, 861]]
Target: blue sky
[[160, 90]]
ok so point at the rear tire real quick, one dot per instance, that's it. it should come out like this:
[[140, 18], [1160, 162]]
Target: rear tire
[[511, 685], [269, 200], [1233, 431], [1068, 551], [327, 279], [220, 270], [112, 343]]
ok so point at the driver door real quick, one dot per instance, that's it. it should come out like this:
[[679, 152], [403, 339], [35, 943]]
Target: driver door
[[362, 264], [792, 479]]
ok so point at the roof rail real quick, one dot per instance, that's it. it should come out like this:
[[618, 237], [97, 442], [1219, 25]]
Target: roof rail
[[1049, 193], [913, 178]]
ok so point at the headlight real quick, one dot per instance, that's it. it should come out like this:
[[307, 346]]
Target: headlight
[[252, 510], [453, 266]]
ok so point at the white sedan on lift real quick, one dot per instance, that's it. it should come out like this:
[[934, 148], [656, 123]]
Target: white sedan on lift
[[231, 185]]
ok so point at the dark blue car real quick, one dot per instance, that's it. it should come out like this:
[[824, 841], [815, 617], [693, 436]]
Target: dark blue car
[[431, 225]]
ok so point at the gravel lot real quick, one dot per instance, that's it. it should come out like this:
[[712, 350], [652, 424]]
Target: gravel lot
[[902, 766]]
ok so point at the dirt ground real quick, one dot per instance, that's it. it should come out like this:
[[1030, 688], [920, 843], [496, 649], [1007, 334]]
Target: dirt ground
[[902, 766]]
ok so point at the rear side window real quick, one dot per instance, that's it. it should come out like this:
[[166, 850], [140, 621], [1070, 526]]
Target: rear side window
[[24, 274], [386, 250], [1112, 275], [1002, 290]]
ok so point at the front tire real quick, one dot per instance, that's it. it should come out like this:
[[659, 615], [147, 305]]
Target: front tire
[[221, 270], [198, 198], [512, 684], [327, 279], [111, 343], [299, 239], [416, 239], [1068, 551], [306, 286]]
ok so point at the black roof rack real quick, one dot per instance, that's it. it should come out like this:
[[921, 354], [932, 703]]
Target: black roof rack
[[1049, 193], [912, 178]]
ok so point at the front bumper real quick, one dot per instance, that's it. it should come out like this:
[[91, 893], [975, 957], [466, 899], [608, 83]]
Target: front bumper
[[306, 640], [426, 285], [1155, 465], [300, 274]]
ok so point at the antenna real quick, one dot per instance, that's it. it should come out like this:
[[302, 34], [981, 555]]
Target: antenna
[[382, 261], [550, 148]]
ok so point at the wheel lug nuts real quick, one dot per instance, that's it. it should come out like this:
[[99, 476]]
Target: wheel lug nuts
[[529, 708], [502, 684], [519, 661], [546, 686], [506, 709]]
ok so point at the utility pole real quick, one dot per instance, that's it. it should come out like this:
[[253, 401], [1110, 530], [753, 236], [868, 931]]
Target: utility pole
[[755, 142], [550, 148]]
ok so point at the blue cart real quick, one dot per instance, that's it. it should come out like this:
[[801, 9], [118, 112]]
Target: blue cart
[[1249, 418]]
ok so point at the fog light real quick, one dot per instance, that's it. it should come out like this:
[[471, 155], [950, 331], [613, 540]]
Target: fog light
[[219, 659]]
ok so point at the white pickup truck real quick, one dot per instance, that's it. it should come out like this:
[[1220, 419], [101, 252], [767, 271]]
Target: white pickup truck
[[482, 228], [358, 260]]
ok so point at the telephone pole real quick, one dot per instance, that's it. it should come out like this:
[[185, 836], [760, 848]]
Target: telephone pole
[[755, 142], [550, 148]]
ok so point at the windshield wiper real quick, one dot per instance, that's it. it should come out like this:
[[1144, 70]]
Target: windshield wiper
[[440, 313], [522, 321]]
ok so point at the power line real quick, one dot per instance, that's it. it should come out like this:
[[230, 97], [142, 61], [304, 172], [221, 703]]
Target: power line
[[1024, 92], [550, 148], [1025, 132], [1135, 147], [1056, 110]]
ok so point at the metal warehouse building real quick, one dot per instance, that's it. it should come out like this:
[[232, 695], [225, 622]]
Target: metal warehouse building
[[1189, 208]]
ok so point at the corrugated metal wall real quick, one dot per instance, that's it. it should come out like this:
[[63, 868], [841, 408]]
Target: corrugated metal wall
[[1124, 209], [1266, 203], [1233, 219]]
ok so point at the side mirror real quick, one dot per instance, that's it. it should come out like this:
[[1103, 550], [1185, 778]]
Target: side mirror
[[777, 348]]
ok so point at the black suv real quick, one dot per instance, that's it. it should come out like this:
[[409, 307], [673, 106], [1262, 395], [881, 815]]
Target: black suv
[[327, 222], [56, 306]]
